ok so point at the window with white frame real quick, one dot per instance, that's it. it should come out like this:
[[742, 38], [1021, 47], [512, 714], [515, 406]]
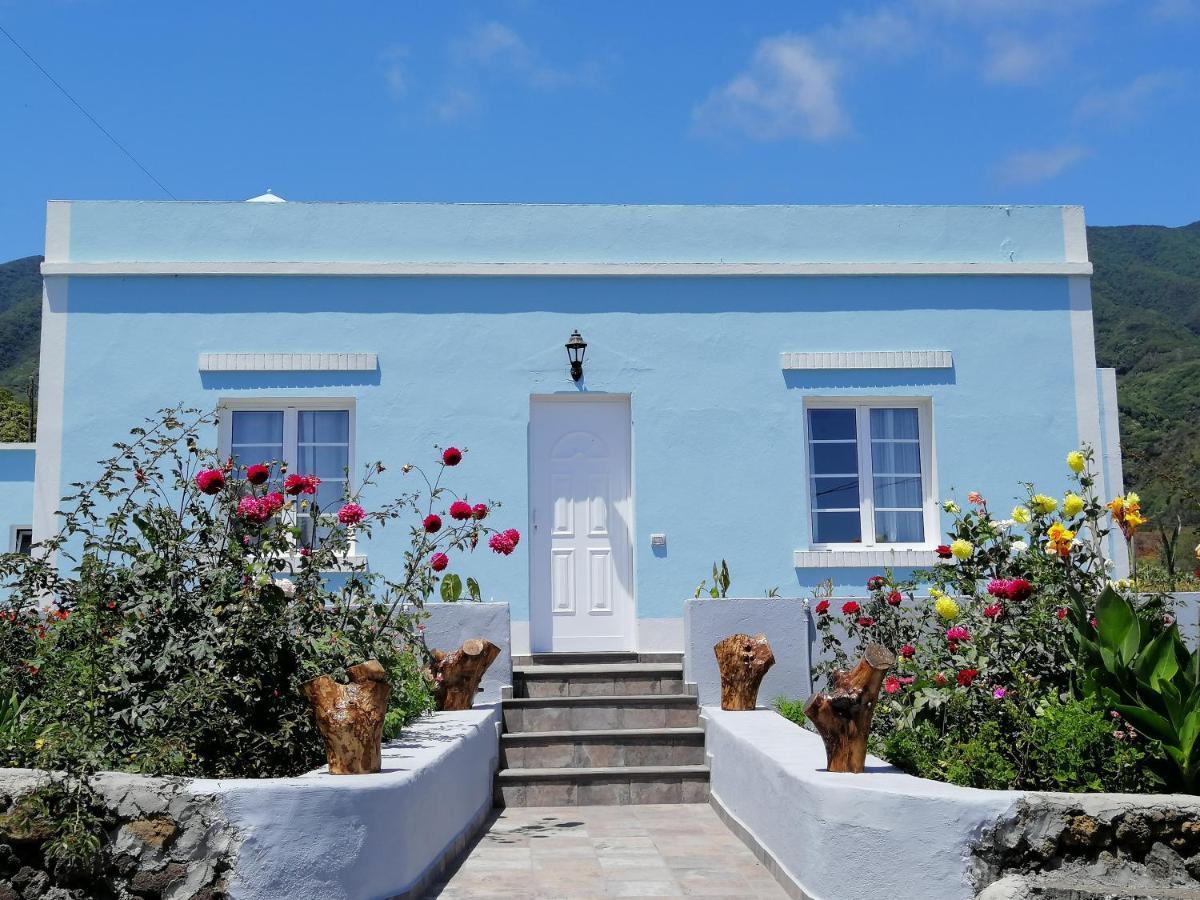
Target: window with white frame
[[22, 540], [870, 473], [311, 438]]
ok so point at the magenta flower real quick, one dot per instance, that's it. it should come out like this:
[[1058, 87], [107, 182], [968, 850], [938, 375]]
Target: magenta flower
[[999, 693], [351, 514], [958, 633]]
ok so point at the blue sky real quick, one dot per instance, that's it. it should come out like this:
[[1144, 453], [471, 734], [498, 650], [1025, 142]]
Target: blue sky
[[909, 101]]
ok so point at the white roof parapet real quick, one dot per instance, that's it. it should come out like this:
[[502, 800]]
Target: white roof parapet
[[868, 359], [288, 362]]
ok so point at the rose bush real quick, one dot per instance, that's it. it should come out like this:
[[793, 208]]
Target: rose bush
[[169, 624]]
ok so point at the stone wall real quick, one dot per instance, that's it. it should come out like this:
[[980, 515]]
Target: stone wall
[[162, 841]]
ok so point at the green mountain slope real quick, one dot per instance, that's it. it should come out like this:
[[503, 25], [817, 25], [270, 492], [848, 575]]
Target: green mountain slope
[[1146, 291]]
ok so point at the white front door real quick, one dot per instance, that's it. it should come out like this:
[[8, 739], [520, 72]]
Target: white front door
[[582, 578]]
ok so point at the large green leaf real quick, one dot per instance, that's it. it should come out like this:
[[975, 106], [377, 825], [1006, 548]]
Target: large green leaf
[[1158, 662], [1118, 625], [1189, 732], [1150, 722]]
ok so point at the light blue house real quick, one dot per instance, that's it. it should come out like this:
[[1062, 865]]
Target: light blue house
[[793, 389]]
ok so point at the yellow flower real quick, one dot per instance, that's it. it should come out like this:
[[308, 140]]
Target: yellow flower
[[961, 549], [1060, 541], [951, 507], [1072, 505], [1021, 514], [1076, 462], [945, 607], [39, 743], [1127, 512], [1043, 504]]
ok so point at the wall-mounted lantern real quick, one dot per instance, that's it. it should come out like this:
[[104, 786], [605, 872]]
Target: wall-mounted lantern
[[575, 350]]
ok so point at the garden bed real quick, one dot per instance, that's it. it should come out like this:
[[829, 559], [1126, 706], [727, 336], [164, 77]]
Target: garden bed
[[881, 833], [314, 836]]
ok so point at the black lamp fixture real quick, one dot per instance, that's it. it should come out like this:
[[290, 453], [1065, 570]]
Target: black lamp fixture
[[575, 350]]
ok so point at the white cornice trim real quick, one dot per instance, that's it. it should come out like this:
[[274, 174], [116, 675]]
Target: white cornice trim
[[288, 362], [672, 269], [868, 359], [875, 559], [17, 445]]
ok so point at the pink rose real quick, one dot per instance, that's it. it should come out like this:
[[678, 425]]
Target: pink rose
[[993, 611], [908, 651], [891, 684], [210, 481], [460, 510], [505, 542], [479, 511], [351, 514], [957, 633], [875, 582], [976, 498]]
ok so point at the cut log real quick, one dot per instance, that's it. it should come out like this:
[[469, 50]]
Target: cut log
[[743, 661], [842, 712], [350, 717], [457, 674]]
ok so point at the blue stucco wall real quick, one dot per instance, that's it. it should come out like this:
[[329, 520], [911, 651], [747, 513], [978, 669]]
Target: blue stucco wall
[[16, 490], [718, 452]]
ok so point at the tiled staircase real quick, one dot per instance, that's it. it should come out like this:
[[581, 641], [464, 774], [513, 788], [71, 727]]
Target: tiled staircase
[[601, 729]]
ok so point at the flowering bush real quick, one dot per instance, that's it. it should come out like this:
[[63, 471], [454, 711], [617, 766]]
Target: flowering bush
[[189, 606], [991, 647]]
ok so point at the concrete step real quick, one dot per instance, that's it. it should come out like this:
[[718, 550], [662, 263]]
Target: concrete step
[[562, 659], [605, 747], [611, 679], [594, 713], [609, 786]]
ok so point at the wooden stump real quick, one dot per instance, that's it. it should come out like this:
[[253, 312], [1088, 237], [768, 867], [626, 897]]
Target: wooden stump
[[457, 674], [743, 661], [842, 716], [350, 717]]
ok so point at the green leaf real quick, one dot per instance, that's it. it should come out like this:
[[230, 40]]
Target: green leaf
[[1118, 625], [1157, 662], [451, 588], [473, 590], [1189, 732], [1150, 722]]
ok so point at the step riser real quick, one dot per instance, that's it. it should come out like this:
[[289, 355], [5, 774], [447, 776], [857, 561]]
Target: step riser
[[602, 792], [597, 685], [582, 754], [563, 659], [596, 716]]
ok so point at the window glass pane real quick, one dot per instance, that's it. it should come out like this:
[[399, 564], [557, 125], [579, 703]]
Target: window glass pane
[[899, 527], [258, 427], [323, 426], [892, 424], [24, 541], [896, 457], [324, 462], [898, 492], [835, 459], [831, 425], [835, 493], [837, 528]]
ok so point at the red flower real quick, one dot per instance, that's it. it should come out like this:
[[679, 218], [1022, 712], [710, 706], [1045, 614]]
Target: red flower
[[894, 598], [866, 621], [908, 651], [999, 587], [432, 523], [1019, 589], [33, 670], [210, 481], [258, 474], [301, 484], [351, 514], [505, 542], [957, 633], [875, 582], [822, 608], [940, 679], [452, 456], [439, 561], [943, 551], [460, 510], [850, 608], [966, 676], [272, 503], [252, 509], [1061, 613], [892, 684], [994, 610], [479, 511]]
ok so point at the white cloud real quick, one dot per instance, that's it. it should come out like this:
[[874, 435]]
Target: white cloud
[[392, 61], [1012, 59], [454, 104], [1035, 166], [789, 89], [496, 46], [1124, 104]]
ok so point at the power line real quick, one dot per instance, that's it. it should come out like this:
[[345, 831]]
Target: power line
[[91, 118]]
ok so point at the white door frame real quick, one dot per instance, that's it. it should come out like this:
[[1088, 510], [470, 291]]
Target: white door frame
[[536, 636]]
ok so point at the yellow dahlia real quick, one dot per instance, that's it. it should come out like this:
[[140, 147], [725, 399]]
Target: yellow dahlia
[[1043, 504], [1076, 461], [961, 549], [1072, 505]]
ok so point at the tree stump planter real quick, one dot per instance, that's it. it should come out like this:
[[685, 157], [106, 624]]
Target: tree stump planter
[[842, 716], [743, 661], [350, 717], [457, 674]]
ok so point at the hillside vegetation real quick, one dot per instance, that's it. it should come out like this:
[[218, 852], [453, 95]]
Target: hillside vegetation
[[1146, 292]]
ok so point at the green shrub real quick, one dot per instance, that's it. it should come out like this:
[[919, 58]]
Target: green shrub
[[792, 710], [411, 697]]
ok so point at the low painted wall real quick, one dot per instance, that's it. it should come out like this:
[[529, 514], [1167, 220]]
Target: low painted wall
[[872, 837], [1187, 614], [707, 621], [880, 834], [449, 624], [313, 837]]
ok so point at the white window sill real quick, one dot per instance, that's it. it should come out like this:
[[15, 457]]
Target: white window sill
[[344, 563], [863, 557]]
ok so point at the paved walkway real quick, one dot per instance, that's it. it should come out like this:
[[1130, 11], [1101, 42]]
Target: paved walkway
[[678, 850]]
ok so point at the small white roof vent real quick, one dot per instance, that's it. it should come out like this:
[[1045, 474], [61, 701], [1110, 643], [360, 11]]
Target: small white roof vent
[[268, 197]]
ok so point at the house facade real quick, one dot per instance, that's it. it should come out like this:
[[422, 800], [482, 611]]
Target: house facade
[[792, 389]]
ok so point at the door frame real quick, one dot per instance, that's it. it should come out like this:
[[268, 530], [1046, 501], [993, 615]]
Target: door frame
[[631, 629]]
